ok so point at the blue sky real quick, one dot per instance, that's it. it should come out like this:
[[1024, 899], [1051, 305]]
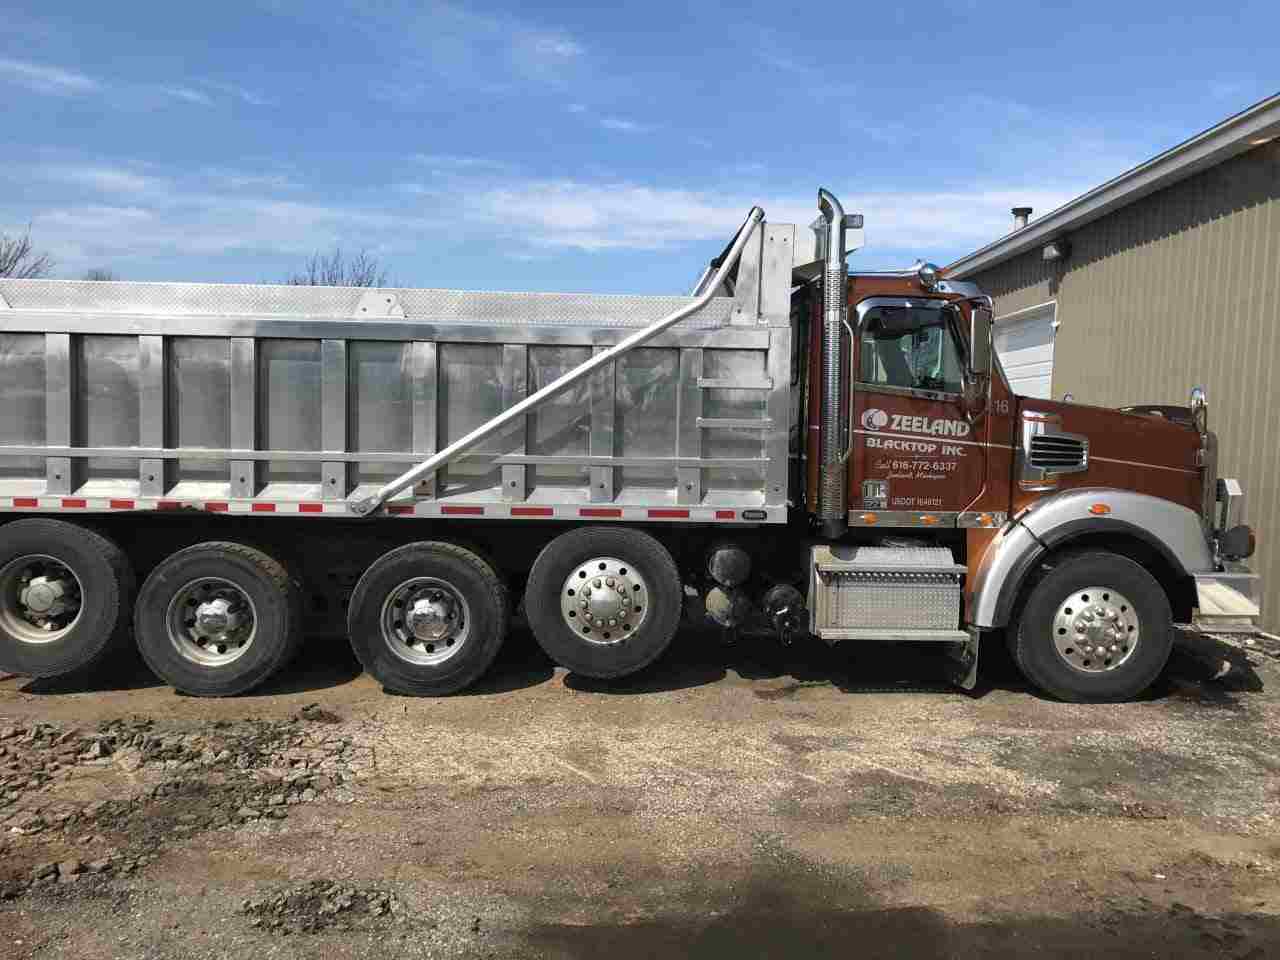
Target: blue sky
[[584, 147]]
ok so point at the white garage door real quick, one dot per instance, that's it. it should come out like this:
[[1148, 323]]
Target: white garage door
[[1024, 341]]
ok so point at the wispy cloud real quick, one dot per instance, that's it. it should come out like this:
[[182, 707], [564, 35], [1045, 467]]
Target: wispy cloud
[[622, 125], [126, 213], [453, 162], [244, 94], [106, 179], [451, 44], [186, 94], [43, 78], [57, 81]]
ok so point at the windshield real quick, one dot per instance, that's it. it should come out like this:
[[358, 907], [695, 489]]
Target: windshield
[[909, 347]]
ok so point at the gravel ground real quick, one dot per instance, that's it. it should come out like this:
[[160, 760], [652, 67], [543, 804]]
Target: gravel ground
[[731, 801]]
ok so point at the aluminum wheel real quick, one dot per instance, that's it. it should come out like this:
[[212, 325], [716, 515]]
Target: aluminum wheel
[[426, 621], [1096, 629], [211, 621], [604, 600], [40, 598]]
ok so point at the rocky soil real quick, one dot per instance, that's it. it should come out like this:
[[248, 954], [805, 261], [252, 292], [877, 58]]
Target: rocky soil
[[730, 802]]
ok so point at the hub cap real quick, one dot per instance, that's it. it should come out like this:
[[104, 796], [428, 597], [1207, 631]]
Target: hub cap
[[211, 621], [40, 598], [425, 621], [604, 600], [1096, 629]]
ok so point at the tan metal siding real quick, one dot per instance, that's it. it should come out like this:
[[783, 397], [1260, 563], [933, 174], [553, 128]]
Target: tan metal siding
[[1179, 288]]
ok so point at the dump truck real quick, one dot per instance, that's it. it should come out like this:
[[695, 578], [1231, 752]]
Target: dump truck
[[220, 474]]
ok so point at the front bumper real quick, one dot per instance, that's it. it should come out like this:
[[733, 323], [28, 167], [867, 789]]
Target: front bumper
[[1229, 601]]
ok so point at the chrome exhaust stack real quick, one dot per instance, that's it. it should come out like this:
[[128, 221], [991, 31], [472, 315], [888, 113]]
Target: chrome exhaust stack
[[832, 479]]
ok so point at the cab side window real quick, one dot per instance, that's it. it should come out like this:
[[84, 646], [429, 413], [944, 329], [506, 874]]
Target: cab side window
[[909, 347]]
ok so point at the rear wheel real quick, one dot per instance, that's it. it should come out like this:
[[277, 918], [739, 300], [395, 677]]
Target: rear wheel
[[427, 619], [66, 594], [604, 601], [1097, 627], [217, 619]]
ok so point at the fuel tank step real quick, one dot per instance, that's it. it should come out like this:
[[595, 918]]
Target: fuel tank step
[[885, 593]]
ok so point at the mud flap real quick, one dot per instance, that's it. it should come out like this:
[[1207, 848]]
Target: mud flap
[[963, 668]]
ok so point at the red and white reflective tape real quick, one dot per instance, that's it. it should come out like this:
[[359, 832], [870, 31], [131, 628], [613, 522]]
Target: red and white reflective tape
[[423, 508]]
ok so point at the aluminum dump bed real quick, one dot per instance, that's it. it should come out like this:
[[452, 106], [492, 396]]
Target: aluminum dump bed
[[282, 399]]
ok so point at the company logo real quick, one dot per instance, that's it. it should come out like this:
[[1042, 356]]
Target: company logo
[[874, 419]]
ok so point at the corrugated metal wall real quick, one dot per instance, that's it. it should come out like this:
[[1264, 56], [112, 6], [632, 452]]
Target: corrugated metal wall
[[1179, 288]]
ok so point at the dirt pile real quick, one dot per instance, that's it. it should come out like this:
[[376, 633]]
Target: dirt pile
[[162, 783], [321, 905]]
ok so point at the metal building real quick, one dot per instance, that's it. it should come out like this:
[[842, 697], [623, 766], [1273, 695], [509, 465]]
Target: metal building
[[1165, 277]]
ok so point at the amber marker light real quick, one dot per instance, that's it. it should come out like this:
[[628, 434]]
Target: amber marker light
[[1099, 509]]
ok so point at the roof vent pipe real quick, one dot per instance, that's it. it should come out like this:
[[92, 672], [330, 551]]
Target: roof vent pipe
[[1020, 217], [832, 479]]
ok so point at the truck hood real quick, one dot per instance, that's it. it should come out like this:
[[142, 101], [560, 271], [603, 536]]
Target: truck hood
[[1145, 452]]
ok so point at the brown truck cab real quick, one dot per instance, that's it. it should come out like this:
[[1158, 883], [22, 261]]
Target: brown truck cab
[[1084, 533]]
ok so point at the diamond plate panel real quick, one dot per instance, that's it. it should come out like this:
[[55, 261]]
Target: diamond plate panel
[[906, 604], [275, 301], [890, 588]]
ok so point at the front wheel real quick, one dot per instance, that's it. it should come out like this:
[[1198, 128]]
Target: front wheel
[[1096, 628]]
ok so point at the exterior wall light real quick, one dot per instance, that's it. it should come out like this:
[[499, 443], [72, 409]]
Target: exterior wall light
[[1056, 250]]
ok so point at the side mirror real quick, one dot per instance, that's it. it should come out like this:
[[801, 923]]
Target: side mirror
[[980, 339], [978, 382]]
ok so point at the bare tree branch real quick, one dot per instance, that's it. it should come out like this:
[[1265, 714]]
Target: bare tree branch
[[99, 273], [337, 270], [19, 260]]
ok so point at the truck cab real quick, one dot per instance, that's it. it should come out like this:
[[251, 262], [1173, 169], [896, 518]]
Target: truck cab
[[1082, 533]]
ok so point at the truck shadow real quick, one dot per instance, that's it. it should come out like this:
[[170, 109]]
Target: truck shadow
[[1201, 669]]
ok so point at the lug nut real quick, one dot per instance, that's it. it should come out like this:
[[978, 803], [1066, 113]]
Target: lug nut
[[609, 581], [595, 582], [613, 623]]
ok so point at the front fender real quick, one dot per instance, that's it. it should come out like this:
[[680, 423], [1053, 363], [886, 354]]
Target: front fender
[[1170, 528]]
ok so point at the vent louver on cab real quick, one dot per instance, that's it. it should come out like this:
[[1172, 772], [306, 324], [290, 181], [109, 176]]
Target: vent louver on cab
[[1047, 452], [1060, 452]]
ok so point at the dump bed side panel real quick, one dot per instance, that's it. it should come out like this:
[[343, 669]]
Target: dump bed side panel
[[273, 399]]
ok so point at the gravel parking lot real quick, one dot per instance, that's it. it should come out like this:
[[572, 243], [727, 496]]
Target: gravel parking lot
[[736, 801]]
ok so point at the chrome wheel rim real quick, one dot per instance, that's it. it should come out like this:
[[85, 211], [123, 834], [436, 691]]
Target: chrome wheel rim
[[426, 621], [211, 621], [41, 598], [1096, 629], [604, 600]]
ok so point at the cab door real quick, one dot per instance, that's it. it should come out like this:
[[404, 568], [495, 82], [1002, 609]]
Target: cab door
[[916, 459]]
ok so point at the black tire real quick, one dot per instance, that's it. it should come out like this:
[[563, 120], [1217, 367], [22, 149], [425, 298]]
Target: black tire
[[276, 618], [472, 592], [106, 587], [1038, 656], [586, 651]]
